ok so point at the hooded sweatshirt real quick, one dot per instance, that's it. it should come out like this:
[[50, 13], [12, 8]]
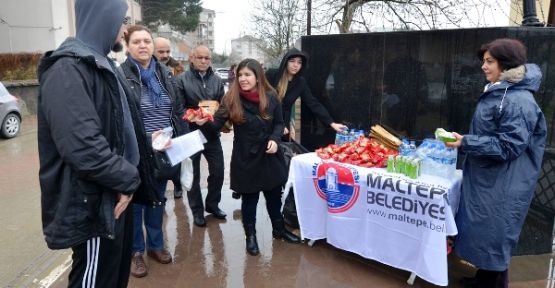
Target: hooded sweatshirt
[[296, 88], [81, 131], [99, 34]]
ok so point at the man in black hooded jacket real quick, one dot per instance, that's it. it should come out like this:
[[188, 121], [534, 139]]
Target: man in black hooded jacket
[[88, 149]]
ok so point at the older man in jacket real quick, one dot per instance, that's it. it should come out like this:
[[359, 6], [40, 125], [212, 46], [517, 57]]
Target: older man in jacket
[[88, 149], [198, 84]]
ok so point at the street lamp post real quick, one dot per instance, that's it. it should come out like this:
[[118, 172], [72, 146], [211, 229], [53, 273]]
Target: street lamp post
[[308, 17], [530, 18]]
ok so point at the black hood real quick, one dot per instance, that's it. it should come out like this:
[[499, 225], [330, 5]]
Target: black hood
[[293, 52], [98, 23]]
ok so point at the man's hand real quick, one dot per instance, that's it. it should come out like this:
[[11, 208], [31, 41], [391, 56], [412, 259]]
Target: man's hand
[[123, 201], [200, 121]]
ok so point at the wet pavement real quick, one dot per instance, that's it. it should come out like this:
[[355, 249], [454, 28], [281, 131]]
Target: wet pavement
[[203, 257]]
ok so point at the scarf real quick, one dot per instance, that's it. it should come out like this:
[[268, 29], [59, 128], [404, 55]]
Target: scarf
[[250, 96], [150, 80]]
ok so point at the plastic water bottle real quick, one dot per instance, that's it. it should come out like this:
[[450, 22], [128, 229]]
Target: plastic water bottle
[[352, 135], [160, 142], [412, 148], [452, 160], [403, 148], [340, 137], [431, 160]]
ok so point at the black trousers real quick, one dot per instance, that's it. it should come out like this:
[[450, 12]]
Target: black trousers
[[492, 279], [102, 262], [176, 180], [215, 158], [250, 201]]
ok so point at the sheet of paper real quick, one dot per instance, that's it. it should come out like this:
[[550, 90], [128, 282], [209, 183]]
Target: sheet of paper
[[185, 146]]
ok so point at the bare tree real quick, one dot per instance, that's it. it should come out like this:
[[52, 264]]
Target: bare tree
[[278, 23], [363, 15]]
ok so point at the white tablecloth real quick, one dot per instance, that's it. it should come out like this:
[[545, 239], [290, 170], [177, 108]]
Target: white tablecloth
[[383, 216]]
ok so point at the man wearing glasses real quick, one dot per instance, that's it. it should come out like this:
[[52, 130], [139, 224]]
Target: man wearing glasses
[[200, 85]]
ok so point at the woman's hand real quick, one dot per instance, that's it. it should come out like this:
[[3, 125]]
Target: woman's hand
[[338, 126], [272, 147], [158, 133], [292, 134], [457, 143], [285, 131]]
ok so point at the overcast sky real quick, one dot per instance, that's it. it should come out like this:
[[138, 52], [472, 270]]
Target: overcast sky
[[232, 20]]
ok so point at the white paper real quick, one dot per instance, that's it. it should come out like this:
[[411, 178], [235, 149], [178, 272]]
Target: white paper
[[185, 146]]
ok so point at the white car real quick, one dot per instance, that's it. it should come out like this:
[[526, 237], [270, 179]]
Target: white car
[[222, 72], [10, 113]]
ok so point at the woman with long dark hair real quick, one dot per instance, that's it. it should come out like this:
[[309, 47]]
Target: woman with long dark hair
[[504, 150], [257, 163], [289, 83]]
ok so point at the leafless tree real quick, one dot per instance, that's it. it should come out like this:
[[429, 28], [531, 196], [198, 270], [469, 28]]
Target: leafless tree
[[368, 15], [278, 23]]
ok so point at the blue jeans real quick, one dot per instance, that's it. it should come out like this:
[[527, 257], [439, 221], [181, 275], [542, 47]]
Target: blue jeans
[[153, 217]]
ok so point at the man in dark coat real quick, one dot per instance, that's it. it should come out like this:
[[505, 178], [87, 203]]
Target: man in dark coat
[[88, 149], [200, 83]]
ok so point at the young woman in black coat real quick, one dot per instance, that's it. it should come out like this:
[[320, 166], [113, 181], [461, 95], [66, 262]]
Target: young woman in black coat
[[257, 163], [290, 85]]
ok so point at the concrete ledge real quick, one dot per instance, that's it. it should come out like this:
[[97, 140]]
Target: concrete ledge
[[28, 91]]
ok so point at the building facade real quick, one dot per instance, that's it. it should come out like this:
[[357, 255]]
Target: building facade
[[247, 47], [181, 45], [44, 26], [204, 34]]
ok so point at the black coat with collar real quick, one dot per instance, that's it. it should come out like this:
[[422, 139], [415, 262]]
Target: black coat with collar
[[297, 87], [192, 88], [252, 169], [82, 169]]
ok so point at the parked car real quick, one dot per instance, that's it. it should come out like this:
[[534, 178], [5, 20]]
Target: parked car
[[10, 113], [222, 72]]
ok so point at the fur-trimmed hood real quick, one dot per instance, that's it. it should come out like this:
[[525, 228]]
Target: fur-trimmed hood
[[524, 77], [514, 75]]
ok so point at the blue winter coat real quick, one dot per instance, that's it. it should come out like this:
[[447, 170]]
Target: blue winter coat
[[504, 151]]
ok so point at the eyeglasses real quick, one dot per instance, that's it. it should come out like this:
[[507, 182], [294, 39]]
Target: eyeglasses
[[205, 58]]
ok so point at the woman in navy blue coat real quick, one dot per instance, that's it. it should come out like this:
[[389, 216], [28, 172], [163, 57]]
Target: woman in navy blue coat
[[504, 150]]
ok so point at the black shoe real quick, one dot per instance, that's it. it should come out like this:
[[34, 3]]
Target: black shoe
[[199, 220], [468, 282], [279, 232], [177, 194], [218, 213], [236, 195]]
